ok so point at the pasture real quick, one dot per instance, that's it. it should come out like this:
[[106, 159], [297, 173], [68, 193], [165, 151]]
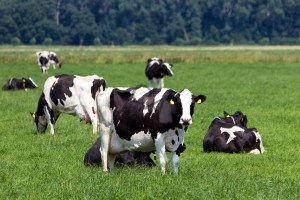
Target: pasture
[[263, 82]]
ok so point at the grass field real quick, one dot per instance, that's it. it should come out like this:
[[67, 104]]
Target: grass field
[[263, 82]]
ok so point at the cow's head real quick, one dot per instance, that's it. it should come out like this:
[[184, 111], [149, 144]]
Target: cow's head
[[154, 60], [55, 59], [29, 83], [238, 118], [40, 121], [182, 107], [167, 69]]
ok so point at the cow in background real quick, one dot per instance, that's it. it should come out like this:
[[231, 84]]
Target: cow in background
[[155, 71], [144, 119], [45, 58], [19, 84], [71, 94], [93, 157], [231, 135]]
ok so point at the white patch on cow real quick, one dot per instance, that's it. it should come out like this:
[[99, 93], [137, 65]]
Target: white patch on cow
[[231, 132], [145, 110], [258, 137], [254, 151], [157, 99], [153, 60], [186, 101]]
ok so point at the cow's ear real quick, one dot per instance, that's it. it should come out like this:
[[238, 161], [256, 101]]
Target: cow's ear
[[200, 99], [149, 60], [226, 114], [33, 115]]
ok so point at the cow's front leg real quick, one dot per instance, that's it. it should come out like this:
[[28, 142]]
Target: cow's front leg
[[104, 146], [161, 152], [175, 162], [111, 161]]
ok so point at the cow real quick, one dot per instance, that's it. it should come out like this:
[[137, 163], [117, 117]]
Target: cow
[[144, 119], [71, 94], [19, 84], [45, 58], [93, 157], [155, 71], [231, 135]]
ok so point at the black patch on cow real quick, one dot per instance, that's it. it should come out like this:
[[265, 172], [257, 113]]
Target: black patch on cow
[[61, 88], [43, 60], [97, 83], [129, 118]]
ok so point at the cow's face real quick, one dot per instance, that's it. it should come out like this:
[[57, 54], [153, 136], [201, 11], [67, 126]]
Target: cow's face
[[184, 103], [154, 60], [40, 121], [238, 118], [29, 83], [167, 69]]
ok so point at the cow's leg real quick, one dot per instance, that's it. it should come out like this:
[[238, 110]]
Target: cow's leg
[[161, 83], [111, 161], [175, 162], [161, 152], [50, 118], [150, 84], [104, 147]]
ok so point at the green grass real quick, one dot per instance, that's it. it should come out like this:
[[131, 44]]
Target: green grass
[[260, 82]]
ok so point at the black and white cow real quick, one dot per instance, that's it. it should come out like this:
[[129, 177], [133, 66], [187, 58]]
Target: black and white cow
[[155, 71], [45, 58], [143, 119], [19, 84], [231, 135], [93, 157], [71, 94]]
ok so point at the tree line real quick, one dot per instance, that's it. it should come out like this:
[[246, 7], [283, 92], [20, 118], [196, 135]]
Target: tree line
[[149, 22]]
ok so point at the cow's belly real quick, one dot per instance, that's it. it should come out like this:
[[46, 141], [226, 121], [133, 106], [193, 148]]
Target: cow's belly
[[138, 142], [143, 142]]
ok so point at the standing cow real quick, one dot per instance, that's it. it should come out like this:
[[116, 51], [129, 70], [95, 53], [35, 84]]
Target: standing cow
[[19, 84], [143, 119], [45, 58], [231, 135], [71, 94], [155, 71]]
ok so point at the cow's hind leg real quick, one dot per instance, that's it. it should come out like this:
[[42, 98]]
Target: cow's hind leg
[[175, 162]]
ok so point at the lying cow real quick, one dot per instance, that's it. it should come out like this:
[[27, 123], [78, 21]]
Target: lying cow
[[19, 84], [155, 71], [69, 94], [93, 157], [143, 119], [45, 58], [231, 135]]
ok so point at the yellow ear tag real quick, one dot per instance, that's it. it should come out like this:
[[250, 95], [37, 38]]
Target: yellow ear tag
[[172, 102], [227, 115], [199, 101], [33, 115]]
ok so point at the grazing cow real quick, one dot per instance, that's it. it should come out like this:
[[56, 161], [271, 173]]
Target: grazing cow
[[155, 71], [143, 119], [231, 135], [45, 58], [69, 94], [93, 157], [19, 84]]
